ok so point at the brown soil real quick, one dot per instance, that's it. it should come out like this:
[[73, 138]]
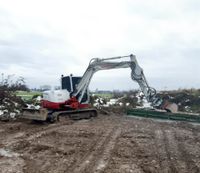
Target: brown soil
[[105, 144]]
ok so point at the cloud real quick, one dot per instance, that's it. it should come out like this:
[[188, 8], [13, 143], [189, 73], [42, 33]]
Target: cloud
[[43, 39]]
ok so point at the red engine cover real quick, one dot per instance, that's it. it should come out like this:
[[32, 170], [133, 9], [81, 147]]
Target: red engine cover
[[72, 103], [51, 105]]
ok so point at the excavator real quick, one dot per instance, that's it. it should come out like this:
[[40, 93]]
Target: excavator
[[73, 97]]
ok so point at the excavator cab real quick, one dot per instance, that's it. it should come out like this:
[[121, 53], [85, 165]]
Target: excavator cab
[[70, 82]]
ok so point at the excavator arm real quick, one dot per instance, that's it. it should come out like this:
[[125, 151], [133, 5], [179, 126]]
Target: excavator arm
[[137, 75]]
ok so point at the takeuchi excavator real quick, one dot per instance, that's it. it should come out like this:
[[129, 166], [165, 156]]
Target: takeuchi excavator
[[73, 98]]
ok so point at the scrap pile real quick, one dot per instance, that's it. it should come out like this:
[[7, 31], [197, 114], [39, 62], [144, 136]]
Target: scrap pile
[[10, 104], [188, 100]]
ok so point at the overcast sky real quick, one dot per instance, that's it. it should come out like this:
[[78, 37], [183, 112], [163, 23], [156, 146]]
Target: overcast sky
[[42, 39]]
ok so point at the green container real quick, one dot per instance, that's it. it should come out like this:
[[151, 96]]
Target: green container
[[148, 113]]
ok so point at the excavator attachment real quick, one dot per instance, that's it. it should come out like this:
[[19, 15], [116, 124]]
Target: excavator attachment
[[35, 114], [170, 107]]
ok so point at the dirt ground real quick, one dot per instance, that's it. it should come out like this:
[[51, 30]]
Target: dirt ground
[[106, 144]]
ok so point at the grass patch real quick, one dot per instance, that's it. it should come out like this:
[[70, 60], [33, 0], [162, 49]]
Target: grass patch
[[25, 95], [106, 96]]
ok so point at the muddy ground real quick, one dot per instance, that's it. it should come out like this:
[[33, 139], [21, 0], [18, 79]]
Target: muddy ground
[[106, 144]]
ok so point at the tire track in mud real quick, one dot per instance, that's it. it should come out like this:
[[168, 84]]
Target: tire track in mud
[[160, 151], [103, 160], [163, 153], [22, 136], [97, 158], [187, 157], [174, 153], [9, 131], [169, 151]]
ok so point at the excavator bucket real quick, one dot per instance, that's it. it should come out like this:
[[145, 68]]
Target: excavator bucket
[[172, 107], [35, 114]]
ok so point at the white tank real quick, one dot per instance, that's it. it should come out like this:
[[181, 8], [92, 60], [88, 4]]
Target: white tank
[[56, 96]]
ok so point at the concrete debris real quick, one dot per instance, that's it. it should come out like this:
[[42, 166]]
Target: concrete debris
[[7, 153], [10, 105]]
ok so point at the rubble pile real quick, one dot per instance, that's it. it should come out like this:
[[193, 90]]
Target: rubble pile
[[118, 102], [188, 100], [10, 104]]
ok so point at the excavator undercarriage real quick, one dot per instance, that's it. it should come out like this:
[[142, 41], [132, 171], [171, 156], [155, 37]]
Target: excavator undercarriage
[[44, 114]]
